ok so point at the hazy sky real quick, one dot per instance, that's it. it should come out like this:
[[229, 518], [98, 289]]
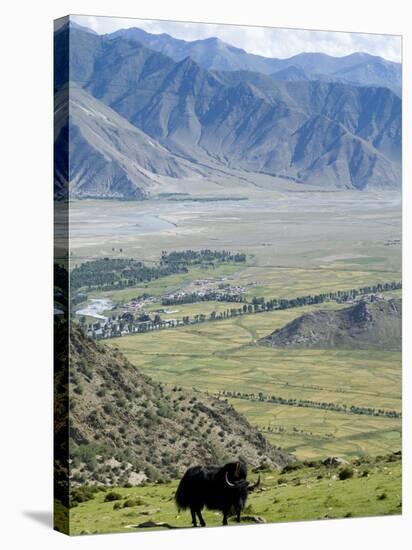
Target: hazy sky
[[270, 42]]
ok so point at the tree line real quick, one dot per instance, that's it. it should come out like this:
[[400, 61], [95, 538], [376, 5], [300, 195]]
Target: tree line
[[260, 304], [117, 273], [294, 402], [208, 296], [206, 256]]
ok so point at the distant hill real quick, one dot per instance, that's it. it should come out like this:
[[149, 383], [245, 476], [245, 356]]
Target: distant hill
[[126, 427], [359, 68], [203, 121], [376, 324]]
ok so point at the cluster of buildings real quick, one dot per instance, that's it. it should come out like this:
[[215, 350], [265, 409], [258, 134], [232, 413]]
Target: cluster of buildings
[[122, 327], [205, 290]]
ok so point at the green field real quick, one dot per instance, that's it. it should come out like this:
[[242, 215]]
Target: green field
[[197, 308], [307, 493], [222, 356], [291, 282], [311, 433]]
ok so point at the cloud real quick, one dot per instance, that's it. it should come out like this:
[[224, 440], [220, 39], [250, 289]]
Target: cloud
[[270, 42]]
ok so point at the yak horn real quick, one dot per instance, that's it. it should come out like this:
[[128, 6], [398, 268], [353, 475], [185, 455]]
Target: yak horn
[[228, 482], [254, 485]]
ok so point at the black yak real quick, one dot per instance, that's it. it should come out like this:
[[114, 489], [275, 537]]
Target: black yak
[[222, 488]]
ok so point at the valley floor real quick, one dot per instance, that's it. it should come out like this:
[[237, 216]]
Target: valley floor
[[223, 357]]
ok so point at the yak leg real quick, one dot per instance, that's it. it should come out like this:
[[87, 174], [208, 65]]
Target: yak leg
[[193, 512], [225, 514], [199, 515], [238, 515]]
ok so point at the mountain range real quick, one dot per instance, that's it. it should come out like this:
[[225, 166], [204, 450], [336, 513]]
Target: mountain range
[[139, 117], [213, 54]]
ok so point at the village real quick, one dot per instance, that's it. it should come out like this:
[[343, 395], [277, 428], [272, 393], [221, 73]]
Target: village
[[138, 316]]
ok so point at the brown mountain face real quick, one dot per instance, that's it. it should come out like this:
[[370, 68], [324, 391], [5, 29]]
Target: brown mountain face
[[126, 428], [375, 324]]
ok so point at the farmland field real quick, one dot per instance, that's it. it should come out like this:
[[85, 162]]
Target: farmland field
[[296, 244], [222, 356]]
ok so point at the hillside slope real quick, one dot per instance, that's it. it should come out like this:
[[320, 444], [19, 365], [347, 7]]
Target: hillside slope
[[109, 157], [126, 428], [375, 324], [309, 491]]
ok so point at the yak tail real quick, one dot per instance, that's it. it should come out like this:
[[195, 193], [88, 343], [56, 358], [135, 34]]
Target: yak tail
[[181, 496]]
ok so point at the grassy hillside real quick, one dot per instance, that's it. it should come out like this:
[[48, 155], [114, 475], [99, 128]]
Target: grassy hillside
[[311, 491], [125, 427]]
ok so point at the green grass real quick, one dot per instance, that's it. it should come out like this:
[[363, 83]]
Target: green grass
[[276, 282], [191, 310], [315, 433], [304, 494], [223, 356]]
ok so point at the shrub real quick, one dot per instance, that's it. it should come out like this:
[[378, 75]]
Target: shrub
[[129, 503], [85, 368], [78, 389], [293, 466], [82, 494], [112, 496], [108, 408], [345, 473], [117, 506]]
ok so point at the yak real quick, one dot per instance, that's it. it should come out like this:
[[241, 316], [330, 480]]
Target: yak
[[222, 488]]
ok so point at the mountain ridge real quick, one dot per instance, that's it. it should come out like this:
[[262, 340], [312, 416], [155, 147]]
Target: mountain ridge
[[110, 157], [214, 53], [244, 120]]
